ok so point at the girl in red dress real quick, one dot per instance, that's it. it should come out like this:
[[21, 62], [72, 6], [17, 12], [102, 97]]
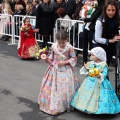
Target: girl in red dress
[[27, 46]]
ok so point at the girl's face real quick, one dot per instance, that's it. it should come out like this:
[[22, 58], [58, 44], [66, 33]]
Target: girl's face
[[110, 11], [62, 43], [94, 58], [27, 21]]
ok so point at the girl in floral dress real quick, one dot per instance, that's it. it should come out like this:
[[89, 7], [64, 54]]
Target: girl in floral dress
[[96, 94], [27, 46], [60, 81]]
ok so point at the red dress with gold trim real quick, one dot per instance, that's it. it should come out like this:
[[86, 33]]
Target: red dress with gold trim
[[27, 44]]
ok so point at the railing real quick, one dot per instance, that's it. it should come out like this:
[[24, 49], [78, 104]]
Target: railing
[[10, 25], [74, 29], [6, 26]]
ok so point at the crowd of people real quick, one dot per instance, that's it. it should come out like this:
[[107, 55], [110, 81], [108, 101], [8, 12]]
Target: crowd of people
[[60, 90]]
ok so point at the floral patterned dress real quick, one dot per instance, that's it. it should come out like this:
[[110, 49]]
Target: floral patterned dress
[[27, 46], [96, 95], [59, 83]]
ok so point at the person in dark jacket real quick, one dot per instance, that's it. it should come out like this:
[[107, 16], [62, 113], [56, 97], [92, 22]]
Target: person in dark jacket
[[45, 21], [88, 33], [77, 10], [23, 4], [70, 7], [106, 30], [58, 4], [35, 5]]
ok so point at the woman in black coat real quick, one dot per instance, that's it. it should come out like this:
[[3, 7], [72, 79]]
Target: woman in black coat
[[45, 21]]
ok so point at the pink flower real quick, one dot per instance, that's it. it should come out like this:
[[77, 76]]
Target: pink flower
[[43, 56]]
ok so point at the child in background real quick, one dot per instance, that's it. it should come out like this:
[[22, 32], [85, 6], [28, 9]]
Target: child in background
[[60, 81], [96, 94], [27, 47], [90, 9], [85, 9]]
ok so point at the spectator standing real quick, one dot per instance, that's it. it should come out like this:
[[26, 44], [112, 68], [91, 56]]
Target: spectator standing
[[70, 7], [64, 24], [45, 21], [23, 4], [6, 9], [88, 33], [77, 10], [29, 9], [58, 4], [35, 5], [106, 30], [18, 20]]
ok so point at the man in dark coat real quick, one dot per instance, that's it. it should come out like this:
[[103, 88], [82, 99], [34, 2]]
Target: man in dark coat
[[70, 7]]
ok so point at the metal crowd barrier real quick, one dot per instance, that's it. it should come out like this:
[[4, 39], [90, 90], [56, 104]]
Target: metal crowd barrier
[[18, 22], [117, 71], [10, 25], [74, 29], [6, 26]]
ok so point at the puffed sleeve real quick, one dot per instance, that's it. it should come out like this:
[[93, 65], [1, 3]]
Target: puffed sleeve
[[73, 58], [83, 71]]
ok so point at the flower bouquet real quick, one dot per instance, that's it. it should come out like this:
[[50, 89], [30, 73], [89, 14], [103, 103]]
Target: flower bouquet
[[25, 29], [93, 72], [43, 53]]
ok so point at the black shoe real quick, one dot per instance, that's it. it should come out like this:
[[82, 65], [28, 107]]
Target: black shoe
[[6, 38], [2, 37]]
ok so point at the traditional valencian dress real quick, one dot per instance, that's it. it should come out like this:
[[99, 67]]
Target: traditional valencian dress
[[96, 95], [27, 46], [59, 83]]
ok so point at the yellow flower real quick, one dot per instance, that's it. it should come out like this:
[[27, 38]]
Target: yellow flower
[[44, 49], [94, 72], [37, 54], [40, 51]]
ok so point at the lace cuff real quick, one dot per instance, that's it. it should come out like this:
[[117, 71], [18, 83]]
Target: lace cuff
[[83, 71]]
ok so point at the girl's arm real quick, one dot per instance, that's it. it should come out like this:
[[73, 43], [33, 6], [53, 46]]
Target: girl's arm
[[73, 59]]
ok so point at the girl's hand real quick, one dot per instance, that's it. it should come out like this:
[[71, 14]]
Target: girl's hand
[[98, 76], [61, 63], [48, 60], [36, 30]]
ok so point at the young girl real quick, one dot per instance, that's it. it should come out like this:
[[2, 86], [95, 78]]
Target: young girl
[[27, 46], [60, 81], [96, 94]]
